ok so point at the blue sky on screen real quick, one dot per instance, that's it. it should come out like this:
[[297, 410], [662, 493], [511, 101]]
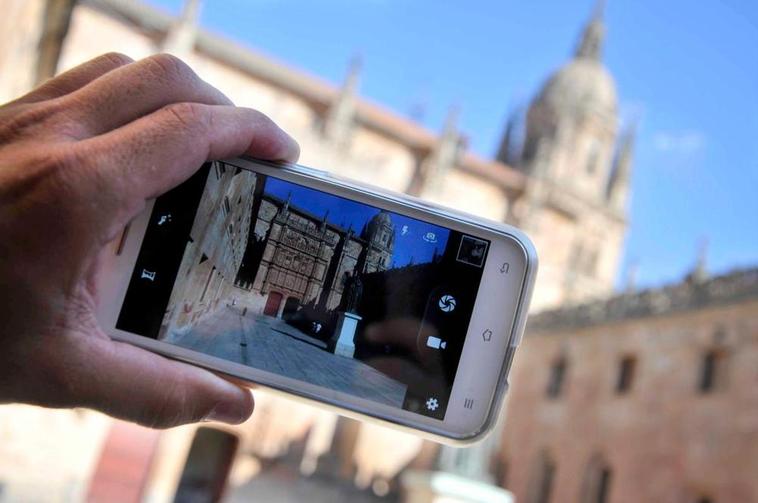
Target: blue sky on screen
[[687, 71], [414, 240]]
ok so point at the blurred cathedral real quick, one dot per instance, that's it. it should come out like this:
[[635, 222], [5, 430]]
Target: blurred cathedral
[[562, 173]]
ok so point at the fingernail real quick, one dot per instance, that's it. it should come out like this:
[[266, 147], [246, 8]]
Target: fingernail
[[231, 411], [290, 147]]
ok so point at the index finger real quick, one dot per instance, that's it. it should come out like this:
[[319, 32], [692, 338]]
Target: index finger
[[135, 90], [155, 153]]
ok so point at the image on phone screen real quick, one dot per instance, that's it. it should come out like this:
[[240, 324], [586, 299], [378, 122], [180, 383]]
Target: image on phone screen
[[309, 285]]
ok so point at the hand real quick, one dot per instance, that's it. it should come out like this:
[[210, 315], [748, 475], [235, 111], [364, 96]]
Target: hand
[[79, 156]]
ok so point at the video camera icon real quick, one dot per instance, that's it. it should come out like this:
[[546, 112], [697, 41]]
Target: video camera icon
[[435, 342]]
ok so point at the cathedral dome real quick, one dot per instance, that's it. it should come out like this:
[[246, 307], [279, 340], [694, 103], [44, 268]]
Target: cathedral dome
[[380, 229], [583, 84], [381, 218]]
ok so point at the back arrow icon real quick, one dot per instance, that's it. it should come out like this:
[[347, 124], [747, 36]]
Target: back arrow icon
[[505, 267], [487, 335]]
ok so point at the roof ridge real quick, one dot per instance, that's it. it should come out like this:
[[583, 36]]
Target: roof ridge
[[730, 287], [306, 85]]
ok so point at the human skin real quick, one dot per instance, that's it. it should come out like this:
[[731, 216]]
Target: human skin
[[79, 158]]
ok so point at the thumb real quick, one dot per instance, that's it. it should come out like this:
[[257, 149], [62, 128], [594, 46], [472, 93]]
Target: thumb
[[131, 383]]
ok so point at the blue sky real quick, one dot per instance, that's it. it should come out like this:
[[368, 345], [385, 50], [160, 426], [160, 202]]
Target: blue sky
[[412, 239], [687, 70]]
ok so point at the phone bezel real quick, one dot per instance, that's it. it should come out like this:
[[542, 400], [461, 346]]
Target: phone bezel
[[491, 360]]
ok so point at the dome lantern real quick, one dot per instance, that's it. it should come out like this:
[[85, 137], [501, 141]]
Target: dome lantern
[[591, 43]]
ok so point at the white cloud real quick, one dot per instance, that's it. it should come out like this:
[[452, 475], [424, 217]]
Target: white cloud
[[685, 143]]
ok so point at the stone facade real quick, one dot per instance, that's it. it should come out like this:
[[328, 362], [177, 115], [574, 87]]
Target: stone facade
[[577, 167], [649, 395], [290, 259], [213, 256], [305, 260]]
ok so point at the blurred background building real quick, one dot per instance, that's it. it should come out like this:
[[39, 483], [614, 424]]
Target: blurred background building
[[615, 397]]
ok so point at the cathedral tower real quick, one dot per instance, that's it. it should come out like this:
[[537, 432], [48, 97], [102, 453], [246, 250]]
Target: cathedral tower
[[574, 203], [571, 124], [379, 235]]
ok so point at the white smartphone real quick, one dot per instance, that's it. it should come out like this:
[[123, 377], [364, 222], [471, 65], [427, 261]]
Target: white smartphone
[[374, 304]]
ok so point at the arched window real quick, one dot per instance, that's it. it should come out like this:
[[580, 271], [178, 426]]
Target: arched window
[[593, 157], [542, 478], [712, 370], [556, 378], [206, 470], [626, 370], [597, 481]]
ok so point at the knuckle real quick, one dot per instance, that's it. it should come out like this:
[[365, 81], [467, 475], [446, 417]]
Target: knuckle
[[169, 67], [188, 115], [116, 59]]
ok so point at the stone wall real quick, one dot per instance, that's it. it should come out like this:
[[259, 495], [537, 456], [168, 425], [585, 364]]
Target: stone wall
[[212, 258], [664, 438]]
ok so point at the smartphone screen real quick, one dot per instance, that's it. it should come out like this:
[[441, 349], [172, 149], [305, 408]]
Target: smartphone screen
[[309, 285]]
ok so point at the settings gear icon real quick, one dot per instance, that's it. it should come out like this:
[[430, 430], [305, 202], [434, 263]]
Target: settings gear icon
[[432, 404]]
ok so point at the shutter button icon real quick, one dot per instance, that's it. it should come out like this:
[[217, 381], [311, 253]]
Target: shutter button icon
[[446, 303]]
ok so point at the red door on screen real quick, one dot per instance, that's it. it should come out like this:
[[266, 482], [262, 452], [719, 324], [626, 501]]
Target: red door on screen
[[272, 304]]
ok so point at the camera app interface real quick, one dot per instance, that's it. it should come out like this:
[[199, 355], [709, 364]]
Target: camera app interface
[[311, 286]]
